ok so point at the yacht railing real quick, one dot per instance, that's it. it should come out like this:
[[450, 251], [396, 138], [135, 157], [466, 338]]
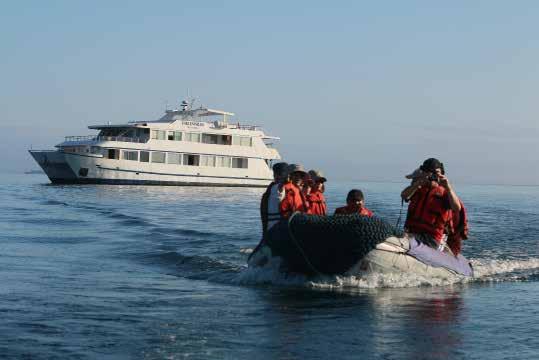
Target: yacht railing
[[80, 138], [244, 127], [95, 138]]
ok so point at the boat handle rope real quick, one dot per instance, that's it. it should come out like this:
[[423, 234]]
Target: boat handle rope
[[295, 241]]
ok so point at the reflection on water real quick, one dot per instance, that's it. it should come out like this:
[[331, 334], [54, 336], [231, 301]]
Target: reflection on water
[[426, 318], [410, 322]]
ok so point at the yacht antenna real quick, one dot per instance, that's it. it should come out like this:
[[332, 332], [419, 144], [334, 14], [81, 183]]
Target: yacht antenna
[[184, 105], [189, 99]]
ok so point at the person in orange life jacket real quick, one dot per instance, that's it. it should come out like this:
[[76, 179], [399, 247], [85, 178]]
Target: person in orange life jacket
[[315, 193], [432, 204], [355, 204], [272, 197], [294, 199]]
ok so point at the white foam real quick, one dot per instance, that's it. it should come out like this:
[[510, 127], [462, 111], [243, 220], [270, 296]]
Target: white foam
[[270, 273], [485, 270], [491, 269]]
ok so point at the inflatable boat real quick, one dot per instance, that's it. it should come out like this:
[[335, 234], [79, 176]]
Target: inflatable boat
[[352, 245]]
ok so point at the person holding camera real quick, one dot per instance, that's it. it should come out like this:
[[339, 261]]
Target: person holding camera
[[433, 206]]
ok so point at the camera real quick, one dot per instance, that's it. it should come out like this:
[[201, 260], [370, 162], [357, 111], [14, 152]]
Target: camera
[[433, 177]]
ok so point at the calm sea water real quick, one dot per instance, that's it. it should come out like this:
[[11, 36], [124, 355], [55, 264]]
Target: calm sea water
[[123, 272]]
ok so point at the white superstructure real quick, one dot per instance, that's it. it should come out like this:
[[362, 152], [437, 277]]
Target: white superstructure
[[184, 147]]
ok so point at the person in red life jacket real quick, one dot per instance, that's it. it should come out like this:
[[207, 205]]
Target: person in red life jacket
[[355, 204], [294, 199], [433, 206], [315, 195], [272, 197]]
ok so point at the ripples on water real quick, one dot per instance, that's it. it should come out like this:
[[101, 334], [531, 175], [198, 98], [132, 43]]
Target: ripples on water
[[159, 272]]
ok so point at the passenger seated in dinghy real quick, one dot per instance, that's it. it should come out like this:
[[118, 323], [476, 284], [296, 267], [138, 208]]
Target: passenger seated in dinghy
[[435, 211], [294, 199], [355, 204], [272, 197], [314, 193]]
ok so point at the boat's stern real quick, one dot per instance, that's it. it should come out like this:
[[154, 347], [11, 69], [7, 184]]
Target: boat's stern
[[54, 164]]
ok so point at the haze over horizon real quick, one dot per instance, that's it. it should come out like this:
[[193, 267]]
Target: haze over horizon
[[359, 90]]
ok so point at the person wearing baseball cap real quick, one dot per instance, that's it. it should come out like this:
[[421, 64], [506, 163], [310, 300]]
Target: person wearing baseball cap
[[294, 199], [315, 193], [432, 204]]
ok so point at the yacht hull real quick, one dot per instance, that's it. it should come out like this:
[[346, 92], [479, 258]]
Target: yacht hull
[[55, 166], [65, 168]]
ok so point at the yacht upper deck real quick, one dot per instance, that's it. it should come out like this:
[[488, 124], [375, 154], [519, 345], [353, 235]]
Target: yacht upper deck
[[203, 120]]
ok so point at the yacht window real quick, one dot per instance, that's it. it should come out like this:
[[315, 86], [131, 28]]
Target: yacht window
[[158, 157], [177, 135], [170, 135], [191, 160], [209, 138], [113, 154], [239, 163], [225, 140], [174, 158], [235, 140], [245, 141], [95, 150], [130, 155], [207, 160], [144, 156], [159, 134], [193, 137], [129, 133], [223, 161]]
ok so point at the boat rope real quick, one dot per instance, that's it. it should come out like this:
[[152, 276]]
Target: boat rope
[[295, 241], [400, 217]]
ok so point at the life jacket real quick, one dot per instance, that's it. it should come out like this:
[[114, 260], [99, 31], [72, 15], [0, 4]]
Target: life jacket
[[317, 203], [458, 229], [293, 201], [276, 195], [429, 212], [345, 210], [269, 206]]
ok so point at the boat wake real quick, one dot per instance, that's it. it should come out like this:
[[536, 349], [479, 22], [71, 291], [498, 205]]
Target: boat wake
[[486, 270]]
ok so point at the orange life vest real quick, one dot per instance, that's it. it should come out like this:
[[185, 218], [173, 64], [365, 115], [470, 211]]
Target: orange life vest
[[458, 229], [345, 210], [317, 203], [293, 201], [429, 212]]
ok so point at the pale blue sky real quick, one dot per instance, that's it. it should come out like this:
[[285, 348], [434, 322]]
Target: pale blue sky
[[361, 90]]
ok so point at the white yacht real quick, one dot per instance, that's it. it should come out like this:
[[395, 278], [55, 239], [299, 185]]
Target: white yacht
[[184, 147]]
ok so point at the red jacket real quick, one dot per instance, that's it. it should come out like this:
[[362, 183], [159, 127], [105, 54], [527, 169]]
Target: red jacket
[[293, 201], [429, 212], [458, 230], [349, 210], [317, 203]]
